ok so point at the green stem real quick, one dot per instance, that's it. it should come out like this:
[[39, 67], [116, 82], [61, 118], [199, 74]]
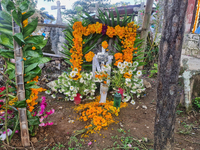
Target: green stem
[[17, 122], [6, 115]]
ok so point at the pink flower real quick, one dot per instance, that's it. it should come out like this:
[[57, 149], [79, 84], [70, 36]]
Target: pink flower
[[129, 145], [141, 13], [49, 123], [34, 114], [156, 11], [90, 143], [41, 119], [17, 131], [50, 112], [42, 125], [1, 101]]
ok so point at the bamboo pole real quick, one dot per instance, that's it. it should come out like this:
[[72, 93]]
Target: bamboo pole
[[19, 76], [145, 26]]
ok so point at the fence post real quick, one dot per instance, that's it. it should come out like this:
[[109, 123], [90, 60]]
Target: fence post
[[19, 76]]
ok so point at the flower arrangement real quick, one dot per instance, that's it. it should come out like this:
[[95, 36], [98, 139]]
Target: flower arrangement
[[103, 76], [84, 86], [100, 115], [126, 77]]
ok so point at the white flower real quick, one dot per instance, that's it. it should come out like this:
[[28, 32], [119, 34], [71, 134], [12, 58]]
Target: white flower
[[128, 80], [121, 70], [81, 96], [138, 95], [123, 66], [48, 92], [130, 71], [135, 64], [132, 102], [74, 95], [119, 65], [71, 88], [71, 98], [91, 94], [53, 96], [60, 91], [86, 90], [81, 80], [139, 73], [125, 63], [76, 69], [139, 91], [130, 64], [126, 99], [73, 74], [133, 91], [124, 94]]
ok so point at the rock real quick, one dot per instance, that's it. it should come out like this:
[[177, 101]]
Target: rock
[[137, 107], [144, 106], [51, 85], [121, 125], [146, 140], [147, 84], [59, 107], [34, 140], [53, 62], [58, 67], [57, 62], [41, 66]]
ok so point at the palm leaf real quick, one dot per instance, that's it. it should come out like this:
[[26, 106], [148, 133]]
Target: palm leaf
[[118, 20]]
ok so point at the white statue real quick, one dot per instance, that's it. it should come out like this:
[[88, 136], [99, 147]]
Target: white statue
[[98, 63]]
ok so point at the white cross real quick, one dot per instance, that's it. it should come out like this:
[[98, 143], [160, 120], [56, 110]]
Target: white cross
[[59, 7]]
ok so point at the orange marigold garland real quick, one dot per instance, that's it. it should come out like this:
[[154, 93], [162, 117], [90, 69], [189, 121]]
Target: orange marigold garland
[[100, 115], [89, 56], [196, 17]]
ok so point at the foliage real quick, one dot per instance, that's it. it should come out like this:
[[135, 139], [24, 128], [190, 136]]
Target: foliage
[[70, 87], [196, 103], [126, 76], [32, 56], [154, 70]]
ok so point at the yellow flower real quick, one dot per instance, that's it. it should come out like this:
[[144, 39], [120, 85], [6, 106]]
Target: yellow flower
[[104, 44], [33, 48]]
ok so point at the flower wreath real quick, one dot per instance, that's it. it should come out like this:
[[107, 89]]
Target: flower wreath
[[127, 36]]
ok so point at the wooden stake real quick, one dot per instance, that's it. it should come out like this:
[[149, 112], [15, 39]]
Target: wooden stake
[[19, 76], [145, 26]]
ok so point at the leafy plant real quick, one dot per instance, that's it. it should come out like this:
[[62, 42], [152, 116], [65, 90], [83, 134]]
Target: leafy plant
[[154, 70], [196, 103]]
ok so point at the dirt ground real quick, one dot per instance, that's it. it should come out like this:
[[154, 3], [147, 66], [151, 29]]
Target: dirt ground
[[137, 123]]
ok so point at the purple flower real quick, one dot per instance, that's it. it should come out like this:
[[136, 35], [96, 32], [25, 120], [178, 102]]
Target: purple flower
[[42, 125], [17, 131], [104, 29], [49, 123], [129, 145]]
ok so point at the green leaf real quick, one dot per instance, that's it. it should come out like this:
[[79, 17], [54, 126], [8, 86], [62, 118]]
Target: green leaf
[[10, 65], [23, 6], [5, 41], [30, 67], [28, 14], [19, 38], [118, 20], [33, 73], [6, 53], [7, 26], [20, 104], [12, 74], [32, 120], [34, 39], [42, 43], [37, 60], [30, 28], [7, 17], [17, 16], [32, 53], [10, 6], [32, 87], [6, 31]]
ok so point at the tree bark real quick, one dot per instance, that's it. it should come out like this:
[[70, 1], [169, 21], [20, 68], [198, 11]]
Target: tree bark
[[19, 76], [145, 26], [168, 71]]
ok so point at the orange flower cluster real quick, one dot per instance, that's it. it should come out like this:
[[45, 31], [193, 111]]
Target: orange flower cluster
[[25, 22], [104, 44], [118, 58], [110, 32], [31, 102], [101, 75], [196, 17], [89, 56], [127, 75], [79, 31], [100, 115], [128, 42]]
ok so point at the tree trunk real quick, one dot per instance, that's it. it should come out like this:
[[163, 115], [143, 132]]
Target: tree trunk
[[168, 71], [145, 26], [19, 76]]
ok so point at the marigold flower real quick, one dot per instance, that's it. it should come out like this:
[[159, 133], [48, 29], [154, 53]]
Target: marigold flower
[[89, 56], [24, 59], [104, 44], [33, 48]]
